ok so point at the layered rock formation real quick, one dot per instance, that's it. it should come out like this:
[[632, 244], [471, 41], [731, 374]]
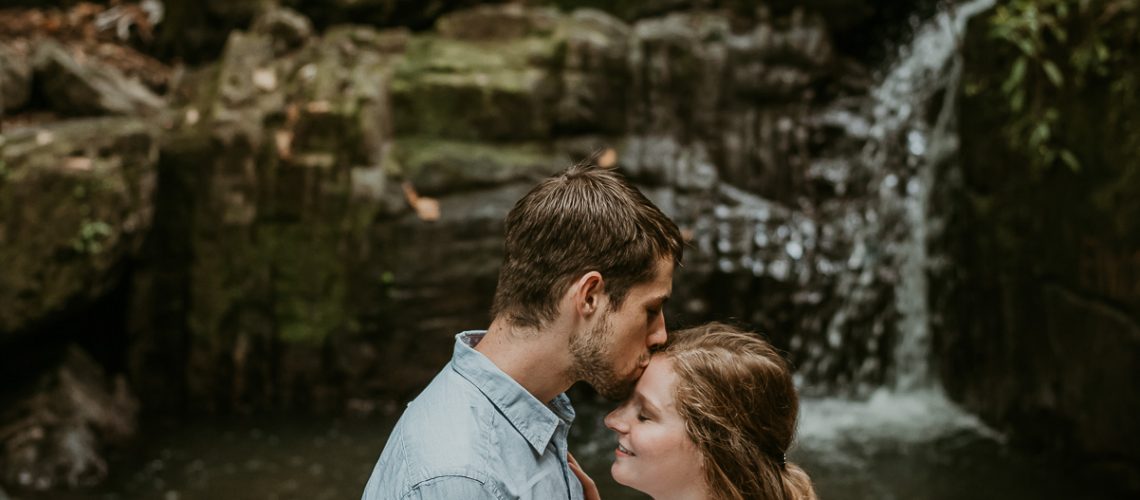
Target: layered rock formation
[[292, 270], [317, 215], [1040, 318], [287, 267]]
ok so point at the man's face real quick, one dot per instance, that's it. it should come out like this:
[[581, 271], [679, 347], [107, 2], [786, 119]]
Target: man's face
[[615, 351]]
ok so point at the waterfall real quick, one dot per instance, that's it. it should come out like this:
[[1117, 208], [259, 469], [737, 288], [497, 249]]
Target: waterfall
[[929, 67], [904, 146]]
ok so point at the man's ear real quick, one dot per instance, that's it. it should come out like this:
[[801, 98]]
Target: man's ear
[[589, 293]]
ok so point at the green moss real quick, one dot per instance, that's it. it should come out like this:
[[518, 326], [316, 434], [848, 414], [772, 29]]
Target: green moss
[[307, 280], [473, 90], [417, 153], [431, 54], [436, 165], [91, 236], [1055, 52]]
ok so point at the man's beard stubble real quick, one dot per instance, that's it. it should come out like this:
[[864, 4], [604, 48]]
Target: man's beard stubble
[[592, 363]]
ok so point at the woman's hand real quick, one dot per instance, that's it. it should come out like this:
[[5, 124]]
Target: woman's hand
[[588, 487]]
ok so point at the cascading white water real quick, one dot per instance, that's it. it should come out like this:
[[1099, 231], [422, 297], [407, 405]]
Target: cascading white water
[[853, 263], [930, 67], [911, 406]]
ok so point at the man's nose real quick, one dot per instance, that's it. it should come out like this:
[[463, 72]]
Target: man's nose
[[659, 335]]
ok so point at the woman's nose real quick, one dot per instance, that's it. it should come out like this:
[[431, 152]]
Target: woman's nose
[[614, 421]]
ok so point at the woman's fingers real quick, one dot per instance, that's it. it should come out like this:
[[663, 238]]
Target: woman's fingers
[[588, 487]]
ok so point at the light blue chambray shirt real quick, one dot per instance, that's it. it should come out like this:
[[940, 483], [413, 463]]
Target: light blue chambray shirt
[[475, 433]]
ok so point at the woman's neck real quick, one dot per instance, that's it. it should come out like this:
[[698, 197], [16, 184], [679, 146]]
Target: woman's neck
[[695, 491]]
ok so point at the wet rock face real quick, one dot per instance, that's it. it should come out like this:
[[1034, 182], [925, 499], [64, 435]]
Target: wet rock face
[[416, 15], [15, 76], [71, 87], [76, 199], [55, 432], [1039, 328], [269, 184], [289, 268]]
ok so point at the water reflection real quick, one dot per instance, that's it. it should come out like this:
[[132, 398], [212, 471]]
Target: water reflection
[[915, 446]]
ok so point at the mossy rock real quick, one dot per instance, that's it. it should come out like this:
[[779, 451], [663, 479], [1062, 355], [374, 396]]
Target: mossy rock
[[75, 200], [494, 90], [436, 166]]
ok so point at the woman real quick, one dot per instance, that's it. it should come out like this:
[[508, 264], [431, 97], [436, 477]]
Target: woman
[[711, 418]]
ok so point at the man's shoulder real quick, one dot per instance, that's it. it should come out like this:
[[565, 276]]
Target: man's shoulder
[[448, 424], [442, 433], [448, 406]]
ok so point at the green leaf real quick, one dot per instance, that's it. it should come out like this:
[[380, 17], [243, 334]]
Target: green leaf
[[1101, 52], [1069, 159], [1017, 100], [1061, 34], [1053, 73], [1016, 75], [1040, 134], [1026, 47]]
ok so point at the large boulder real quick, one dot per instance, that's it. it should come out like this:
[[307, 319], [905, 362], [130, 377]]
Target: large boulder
[[76, 199], [73, 87], [477, 84], [415, 15], [54, 432], [270, 180], [15, 76]]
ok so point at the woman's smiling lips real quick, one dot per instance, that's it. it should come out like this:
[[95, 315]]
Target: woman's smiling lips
[[623, 451]]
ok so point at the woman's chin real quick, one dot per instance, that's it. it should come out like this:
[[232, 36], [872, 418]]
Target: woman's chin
[[617, 470], [618, 473]]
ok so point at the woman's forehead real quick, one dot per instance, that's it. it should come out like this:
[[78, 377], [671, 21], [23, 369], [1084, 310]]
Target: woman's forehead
[[657, 383]]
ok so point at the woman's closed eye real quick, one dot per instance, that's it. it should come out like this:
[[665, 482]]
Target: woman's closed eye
[[645, 414]]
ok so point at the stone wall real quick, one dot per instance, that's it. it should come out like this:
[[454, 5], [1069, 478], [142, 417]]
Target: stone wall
[[287, 267], [1039, 327]]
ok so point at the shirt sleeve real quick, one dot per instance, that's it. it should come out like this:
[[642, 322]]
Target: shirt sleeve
[[450, 488]]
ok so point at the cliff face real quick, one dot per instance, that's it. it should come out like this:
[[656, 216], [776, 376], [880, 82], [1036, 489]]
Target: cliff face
[[284, 263], [289, 265], [308, 221], [1040, 326]]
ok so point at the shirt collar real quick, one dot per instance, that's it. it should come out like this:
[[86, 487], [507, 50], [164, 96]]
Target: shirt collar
[[536, 422]]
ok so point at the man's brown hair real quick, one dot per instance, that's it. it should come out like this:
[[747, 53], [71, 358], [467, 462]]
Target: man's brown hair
[[586, 218]]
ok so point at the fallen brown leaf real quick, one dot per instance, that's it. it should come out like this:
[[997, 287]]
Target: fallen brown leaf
[[426, 208], [608, 158], [77, 163], [318, 107], [284, 141]]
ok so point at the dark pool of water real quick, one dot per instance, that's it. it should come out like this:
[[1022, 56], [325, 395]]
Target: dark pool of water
[[849, 454]]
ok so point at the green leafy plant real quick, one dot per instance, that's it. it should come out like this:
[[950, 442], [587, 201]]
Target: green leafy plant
[[1062, 47], [92, 234]]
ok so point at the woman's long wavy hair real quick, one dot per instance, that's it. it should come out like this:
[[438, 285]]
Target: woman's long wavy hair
[[736, 396]]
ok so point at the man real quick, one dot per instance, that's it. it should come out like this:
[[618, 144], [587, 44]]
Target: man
[[588, 267]]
